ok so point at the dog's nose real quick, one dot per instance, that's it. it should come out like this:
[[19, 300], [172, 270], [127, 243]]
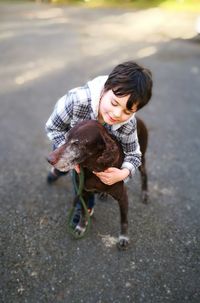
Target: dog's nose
[[51, 159]]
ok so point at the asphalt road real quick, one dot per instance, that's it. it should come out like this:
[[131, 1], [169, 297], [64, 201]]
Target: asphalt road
[[44, 51]]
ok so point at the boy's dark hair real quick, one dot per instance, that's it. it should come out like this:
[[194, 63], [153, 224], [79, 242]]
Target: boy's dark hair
[[129, 78]]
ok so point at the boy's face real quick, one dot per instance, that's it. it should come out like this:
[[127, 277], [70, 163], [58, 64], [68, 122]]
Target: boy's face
[[113, 110]]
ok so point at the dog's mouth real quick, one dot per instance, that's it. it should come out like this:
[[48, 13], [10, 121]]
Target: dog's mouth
[[64, 168], [68, 160]]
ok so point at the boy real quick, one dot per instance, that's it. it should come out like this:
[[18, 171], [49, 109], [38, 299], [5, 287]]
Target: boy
[[113, 101]]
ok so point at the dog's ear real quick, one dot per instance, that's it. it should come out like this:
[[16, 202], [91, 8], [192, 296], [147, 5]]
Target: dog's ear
[[110, 152]]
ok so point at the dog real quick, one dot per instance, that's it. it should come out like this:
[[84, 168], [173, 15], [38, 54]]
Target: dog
[[91, 146]]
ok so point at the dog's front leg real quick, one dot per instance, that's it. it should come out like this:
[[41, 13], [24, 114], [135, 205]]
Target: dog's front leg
[[123, 205], [81, 226], [120, 194]]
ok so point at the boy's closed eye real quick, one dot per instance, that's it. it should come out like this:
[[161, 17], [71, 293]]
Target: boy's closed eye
[[114, 102], [126, 112]]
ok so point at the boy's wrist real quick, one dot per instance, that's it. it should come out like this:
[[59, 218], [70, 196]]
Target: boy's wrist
[[125, 173]]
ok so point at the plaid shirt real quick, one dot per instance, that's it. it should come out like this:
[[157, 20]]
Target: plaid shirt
[[82, 103]]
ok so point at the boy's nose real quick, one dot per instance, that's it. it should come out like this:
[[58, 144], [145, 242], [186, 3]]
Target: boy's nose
[[117, 112]]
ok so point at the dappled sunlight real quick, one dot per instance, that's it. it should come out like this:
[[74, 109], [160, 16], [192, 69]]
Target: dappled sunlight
[[152, 24], [108, 46], [39, 69], [6, 35], [49, 16], [98, 48], [43, 18], [20, 74], [45, 14], [146, 52], [141, 32], [37, 72]]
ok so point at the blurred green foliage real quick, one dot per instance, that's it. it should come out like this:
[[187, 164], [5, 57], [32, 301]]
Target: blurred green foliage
[[189, 5], [192, 5]]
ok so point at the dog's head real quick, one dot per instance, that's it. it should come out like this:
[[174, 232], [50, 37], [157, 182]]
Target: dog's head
[[88, 144]]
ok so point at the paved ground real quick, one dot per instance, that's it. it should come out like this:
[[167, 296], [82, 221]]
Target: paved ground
[[44, 51]]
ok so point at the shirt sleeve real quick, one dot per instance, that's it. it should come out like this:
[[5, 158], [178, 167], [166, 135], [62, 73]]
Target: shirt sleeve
[[58, 123], [131, 148]]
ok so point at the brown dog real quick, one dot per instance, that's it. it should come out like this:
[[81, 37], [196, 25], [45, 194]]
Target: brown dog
[[90, 145]]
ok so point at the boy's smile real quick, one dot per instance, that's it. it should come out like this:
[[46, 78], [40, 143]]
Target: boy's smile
[[113, 110]]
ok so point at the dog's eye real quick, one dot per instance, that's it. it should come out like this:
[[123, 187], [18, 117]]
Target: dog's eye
[[75, 142]]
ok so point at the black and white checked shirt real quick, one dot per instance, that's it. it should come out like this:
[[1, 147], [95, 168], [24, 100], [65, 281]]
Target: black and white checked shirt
[[82, 103]]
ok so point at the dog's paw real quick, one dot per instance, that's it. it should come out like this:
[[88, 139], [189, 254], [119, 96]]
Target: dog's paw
[[123, 242], [79, 230], [145, 197]]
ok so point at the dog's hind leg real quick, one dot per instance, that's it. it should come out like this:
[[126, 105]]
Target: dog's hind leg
[[143, 141], [144, 181]]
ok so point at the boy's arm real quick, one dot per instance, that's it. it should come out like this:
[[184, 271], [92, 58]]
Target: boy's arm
[[59, 121], [131, 148]]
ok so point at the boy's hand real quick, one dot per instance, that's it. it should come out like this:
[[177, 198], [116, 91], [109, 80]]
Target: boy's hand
[[77, 169], [112, 175]]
